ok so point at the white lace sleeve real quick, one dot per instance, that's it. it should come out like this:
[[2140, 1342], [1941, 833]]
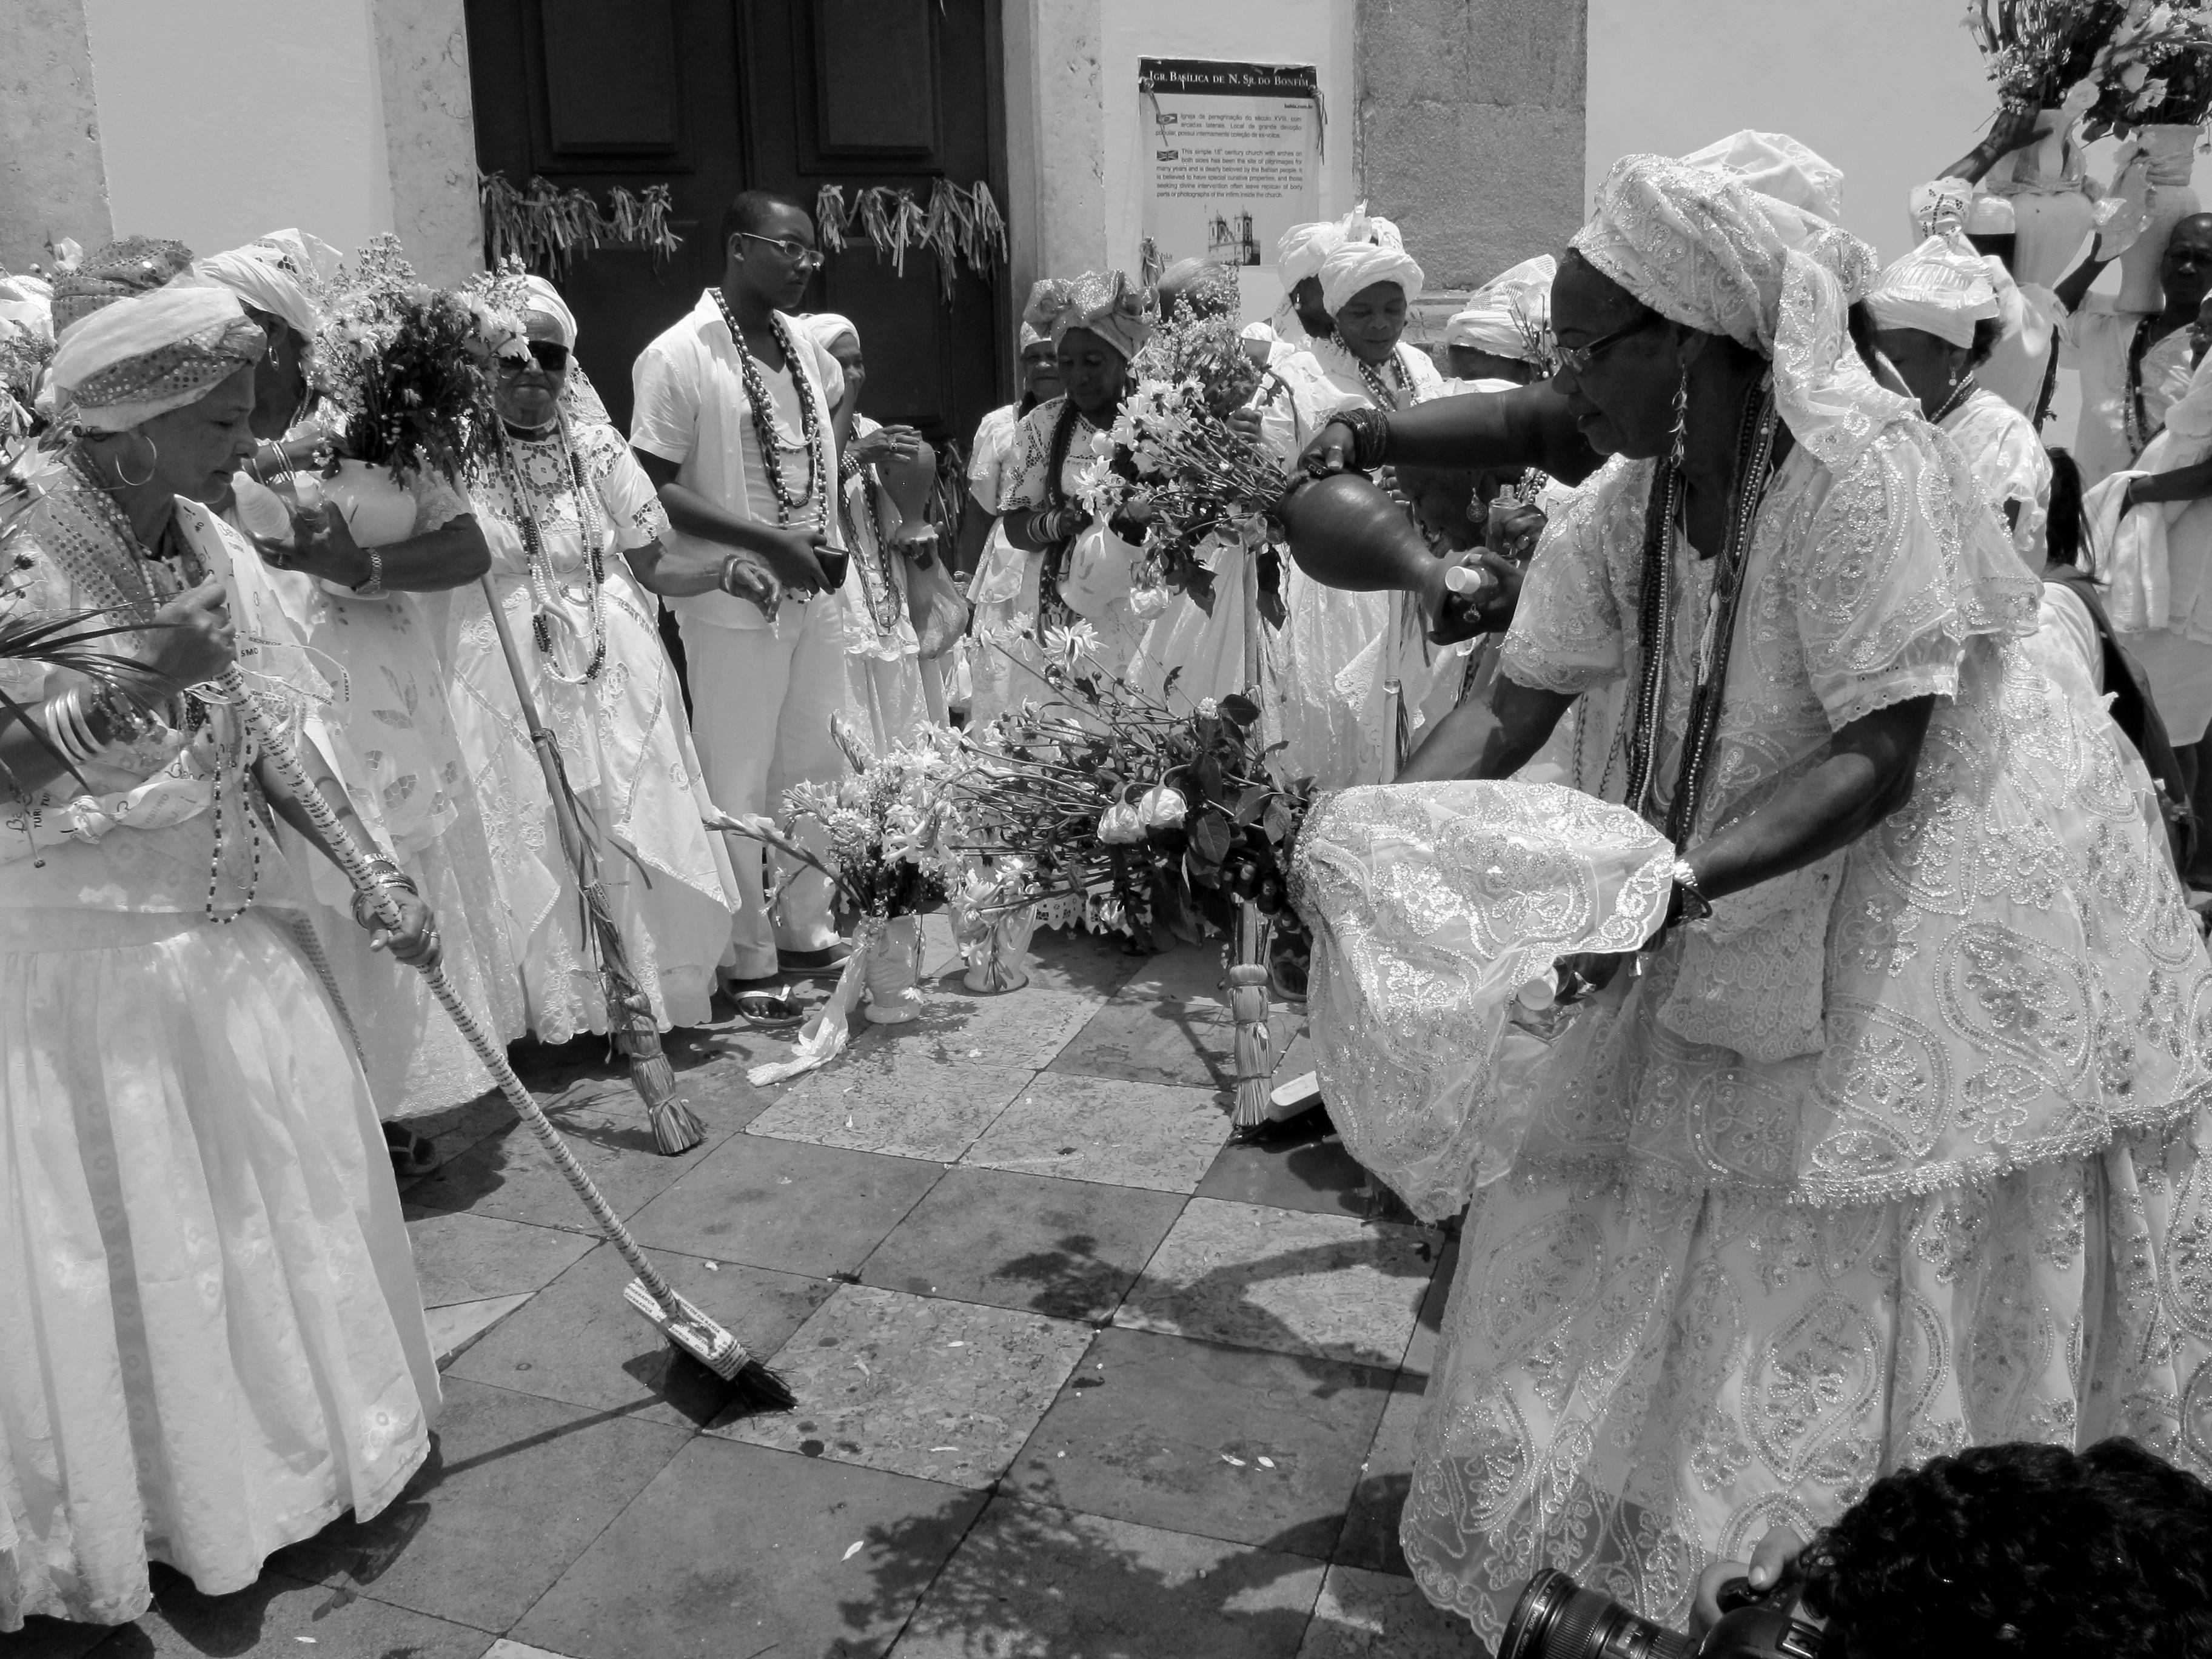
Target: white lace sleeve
[[1902, 563], [1568, 628], [437, 502]]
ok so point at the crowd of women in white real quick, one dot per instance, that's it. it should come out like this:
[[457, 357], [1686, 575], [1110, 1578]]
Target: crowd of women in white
[[1582, 1416]]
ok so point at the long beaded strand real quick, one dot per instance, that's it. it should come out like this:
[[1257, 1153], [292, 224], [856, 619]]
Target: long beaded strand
[[875, 579], [765, 429], [541, 566]]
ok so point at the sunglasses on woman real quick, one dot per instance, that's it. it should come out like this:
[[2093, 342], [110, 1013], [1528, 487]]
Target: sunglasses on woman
[[549, 355]]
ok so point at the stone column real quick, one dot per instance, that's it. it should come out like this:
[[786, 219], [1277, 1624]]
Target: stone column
[[429, 134], [51, 182]]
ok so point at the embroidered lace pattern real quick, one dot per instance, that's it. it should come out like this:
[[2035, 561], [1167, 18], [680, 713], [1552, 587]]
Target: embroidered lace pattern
[[1895, 1154]]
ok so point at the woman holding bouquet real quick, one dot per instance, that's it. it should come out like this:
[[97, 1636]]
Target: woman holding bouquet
[[1077, 567], [891, 687], [214, 1343], [1367, 283], [574, 528], [349, 555], [1888, 1141]]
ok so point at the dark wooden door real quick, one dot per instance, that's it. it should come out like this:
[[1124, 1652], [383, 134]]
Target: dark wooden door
[[709, 97]]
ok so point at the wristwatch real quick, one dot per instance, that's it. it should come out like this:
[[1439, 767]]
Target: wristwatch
[[373, 586]]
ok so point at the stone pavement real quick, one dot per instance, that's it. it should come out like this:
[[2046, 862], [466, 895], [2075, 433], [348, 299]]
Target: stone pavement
[[1078, 1379]]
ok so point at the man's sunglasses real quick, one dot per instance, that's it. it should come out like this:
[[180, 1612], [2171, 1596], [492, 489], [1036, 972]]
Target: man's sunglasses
[[1576, 360], [550, 355], [798, 252]]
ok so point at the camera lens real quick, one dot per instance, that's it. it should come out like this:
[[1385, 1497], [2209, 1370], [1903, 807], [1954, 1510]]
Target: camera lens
[[1557, 1618]]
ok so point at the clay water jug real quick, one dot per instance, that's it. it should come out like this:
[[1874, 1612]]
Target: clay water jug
[[1346, 533]]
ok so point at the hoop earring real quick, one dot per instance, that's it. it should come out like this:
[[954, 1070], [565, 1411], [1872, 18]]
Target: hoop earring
[[122, 482], [1681, 419]]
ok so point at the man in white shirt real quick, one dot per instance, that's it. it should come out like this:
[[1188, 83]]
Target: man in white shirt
[[2134, 364], [732, 425]]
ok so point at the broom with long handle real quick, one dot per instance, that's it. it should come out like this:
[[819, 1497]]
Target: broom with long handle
[[1254, 1047], [676, 1127], [650, 1293]]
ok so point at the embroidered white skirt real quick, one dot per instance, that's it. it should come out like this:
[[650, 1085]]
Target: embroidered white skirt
[[214, 1343]]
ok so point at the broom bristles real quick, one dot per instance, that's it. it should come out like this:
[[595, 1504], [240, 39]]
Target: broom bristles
[[675, 1126], [757, 1388]]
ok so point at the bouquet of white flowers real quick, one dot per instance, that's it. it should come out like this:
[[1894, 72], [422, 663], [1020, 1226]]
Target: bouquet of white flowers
[[1173, 460]]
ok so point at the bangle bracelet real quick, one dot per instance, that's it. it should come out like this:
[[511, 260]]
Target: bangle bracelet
[[729, 571], [1371, 436], [1696, 907]]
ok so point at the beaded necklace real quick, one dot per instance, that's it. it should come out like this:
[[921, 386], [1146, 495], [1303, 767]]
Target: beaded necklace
[[1371, 378], [541, 564], [92, 563], [2135, 417], [1965, 389], [768, 431], [1052, 608], [869, 560], [1656, 630]]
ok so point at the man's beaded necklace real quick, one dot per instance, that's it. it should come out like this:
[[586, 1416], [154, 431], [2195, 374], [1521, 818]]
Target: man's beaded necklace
[[769, 432], [522, 490]]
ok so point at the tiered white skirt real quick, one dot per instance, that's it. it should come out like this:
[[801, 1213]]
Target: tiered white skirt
[[214, 1345]]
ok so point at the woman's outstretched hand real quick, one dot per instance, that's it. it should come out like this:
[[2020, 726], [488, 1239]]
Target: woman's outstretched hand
[[1330, 452]]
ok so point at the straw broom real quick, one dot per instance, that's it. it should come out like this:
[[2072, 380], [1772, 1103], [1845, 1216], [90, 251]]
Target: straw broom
[[677, 1318], [676, 1127]]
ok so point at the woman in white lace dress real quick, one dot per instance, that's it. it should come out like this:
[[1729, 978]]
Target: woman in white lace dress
[[567, 514], [1368, 283], [388, 733], [1889, 1142]]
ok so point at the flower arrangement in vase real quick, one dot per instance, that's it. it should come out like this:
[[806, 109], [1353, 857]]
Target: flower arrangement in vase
[[1173, 453]]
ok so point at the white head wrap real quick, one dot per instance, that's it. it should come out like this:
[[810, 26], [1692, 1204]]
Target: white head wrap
[[1703, 249], [278, 274], [1351, 266], [1303, 247], [825, 329], [1775, 164], [1941, 288], [1262, 329], [1507, 315], [140, 357], [542, 299]]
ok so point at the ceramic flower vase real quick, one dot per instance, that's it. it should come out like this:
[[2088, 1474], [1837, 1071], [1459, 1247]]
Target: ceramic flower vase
[[376, 507], [998, 950], [1346, 533], [894, 967], [2052, 215], [2169, 154]]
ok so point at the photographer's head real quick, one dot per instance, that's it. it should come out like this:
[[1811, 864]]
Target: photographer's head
[[2020, 1550]]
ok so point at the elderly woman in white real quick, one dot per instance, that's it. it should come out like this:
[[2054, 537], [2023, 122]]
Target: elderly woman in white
[[213, 1342]]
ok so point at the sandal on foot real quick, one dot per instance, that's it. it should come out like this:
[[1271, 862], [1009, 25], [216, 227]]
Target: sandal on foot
[[412, 1154], [766, 1008]]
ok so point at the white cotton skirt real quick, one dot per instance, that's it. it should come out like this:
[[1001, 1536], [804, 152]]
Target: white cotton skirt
[[214, 1343]]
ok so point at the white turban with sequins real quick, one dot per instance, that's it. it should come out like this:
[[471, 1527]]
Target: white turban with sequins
[[137, 358], [1941, 288], [1507, 315]]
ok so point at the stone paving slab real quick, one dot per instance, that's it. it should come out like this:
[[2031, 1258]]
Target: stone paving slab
[[1143, 1039], [1371, 1521], [463, 1257], [1371, 1615], [1071, 1248], [578, 1341], [1256, 1277], [785, 1205], [736, 1552], [280, 1614], [1102, 1129], [883, 1100], [1031, 1580], [516, 1488], [1250, 1447], [1302, 1172], [917, 1385]]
